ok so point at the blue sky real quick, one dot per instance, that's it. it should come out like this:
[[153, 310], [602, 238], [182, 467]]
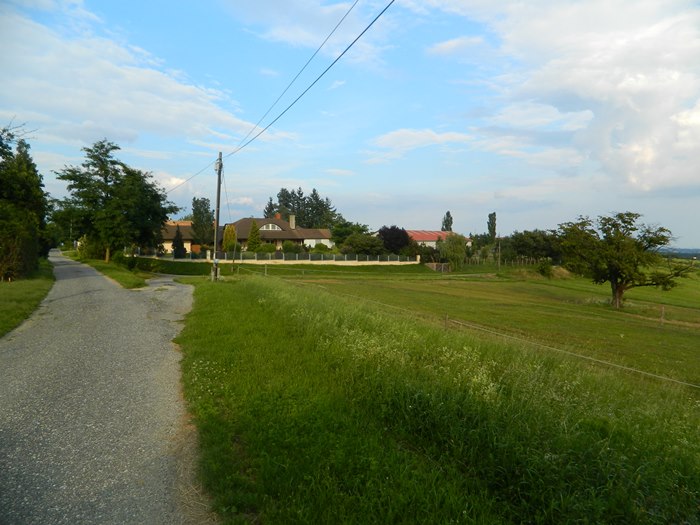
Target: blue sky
[[540, 111]]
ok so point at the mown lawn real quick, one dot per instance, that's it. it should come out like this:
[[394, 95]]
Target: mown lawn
[[316, 406], [18, 299]]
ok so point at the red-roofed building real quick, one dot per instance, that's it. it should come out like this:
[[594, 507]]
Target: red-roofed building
[[430, 237]]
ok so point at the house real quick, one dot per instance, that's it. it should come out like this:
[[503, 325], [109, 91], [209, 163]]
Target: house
[[430, 237], [168, 234], [276, 231]]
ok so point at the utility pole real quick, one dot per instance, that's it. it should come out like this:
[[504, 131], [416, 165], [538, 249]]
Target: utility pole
[[215, 266]]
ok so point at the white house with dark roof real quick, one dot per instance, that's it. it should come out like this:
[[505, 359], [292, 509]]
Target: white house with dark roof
[[276, 231]]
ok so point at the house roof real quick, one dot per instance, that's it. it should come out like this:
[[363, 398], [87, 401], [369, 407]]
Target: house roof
[[283, 234], [427, 235], [169, 228]]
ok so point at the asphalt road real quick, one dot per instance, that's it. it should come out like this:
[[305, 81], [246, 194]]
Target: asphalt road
[[91, 415]]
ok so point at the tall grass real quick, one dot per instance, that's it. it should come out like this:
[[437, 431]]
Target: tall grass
[[318, 409], [18, 299]]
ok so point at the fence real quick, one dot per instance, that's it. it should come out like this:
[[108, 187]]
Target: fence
[[311, 257]]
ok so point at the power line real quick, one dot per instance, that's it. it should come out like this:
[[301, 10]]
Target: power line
[[313, 83], [299, 73], [244, 144]]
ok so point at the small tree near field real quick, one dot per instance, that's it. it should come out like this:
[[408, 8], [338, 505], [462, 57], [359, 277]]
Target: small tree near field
[[254, 240], [453, 248], [618, 250], [230, 238]]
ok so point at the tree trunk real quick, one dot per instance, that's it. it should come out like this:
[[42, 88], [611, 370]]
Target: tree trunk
[[107, 254], [618, 290]]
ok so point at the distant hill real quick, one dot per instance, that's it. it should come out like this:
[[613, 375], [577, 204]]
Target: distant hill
[[683, 253]]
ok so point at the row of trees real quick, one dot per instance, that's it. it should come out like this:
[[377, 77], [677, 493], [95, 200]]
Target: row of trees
[[111, 206], [24, 206], [311, 211], [615, 249]]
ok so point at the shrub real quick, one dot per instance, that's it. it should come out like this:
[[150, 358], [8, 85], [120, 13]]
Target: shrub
[[544, 268], [266, 248]]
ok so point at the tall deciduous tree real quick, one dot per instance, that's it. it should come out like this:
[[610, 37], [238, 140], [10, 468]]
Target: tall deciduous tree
[[202, 221], [447, 222], [23, 209], [491, 225], [618, 250], [115, 205]]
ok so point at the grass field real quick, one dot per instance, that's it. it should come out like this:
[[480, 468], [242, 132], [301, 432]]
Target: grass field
[[18, 299], [350, 397]]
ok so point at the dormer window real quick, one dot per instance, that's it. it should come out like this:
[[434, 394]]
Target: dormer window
[[270, 226]]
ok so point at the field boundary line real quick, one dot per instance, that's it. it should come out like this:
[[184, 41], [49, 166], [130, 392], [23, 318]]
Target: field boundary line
[[521, 340]]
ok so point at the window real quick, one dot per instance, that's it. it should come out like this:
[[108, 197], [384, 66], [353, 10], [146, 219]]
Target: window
[[271, 227]]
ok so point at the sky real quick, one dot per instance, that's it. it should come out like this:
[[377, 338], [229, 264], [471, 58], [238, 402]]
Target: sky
[[540, 111]]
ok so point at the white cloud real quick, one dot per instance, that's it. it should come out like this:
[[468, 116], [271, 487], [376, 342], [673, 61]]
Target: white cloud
[[88, 88], [336, 84], [456, 45], [306, 23], [338, 172], [622, 76], [399, 142], [530, 115]]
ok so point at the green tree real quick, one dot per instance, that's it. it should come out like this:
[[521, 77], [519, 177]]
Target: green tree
[[202, 221], [618, 250], [453, 249], [343, 229], [311, 211], [230, 238], [394, 238], [536, 244], [23, 209], [447, 222], [363, 244], [115, 205], [254, 240], [491, 225], [179, 250], [270, 209]]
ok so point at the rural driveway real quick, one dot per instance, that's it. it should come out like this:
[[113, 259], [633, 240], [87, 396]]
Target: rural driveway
[[92, 424]]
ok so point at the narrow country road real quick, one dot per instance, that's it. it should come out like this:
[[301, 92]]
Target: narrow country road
[[91, 415]]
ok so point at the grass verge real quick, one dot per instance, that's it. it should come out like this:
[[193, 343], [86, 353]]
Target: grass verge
[[18, 299], [314, 408]]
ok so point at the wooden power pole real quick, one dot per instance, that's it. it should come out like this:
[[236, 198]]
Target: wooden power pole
[[215, 261]]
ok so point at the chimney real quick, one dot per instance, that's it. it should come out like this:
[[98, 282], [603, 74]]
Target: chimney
[[278, 215], [292, 221]]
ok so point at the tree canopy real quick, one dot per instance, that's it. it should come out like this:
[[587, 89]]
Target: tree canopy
[[453, 248], [311, 211], [619, 250], [112, 204], [202, 221], [394, 238], [491, 225], [363, 244], [23, 208], [447, 222]]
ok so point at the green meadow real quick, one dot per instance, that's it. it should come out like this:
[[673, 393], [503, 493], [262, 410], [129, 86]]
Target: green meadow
[[329, 395]]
